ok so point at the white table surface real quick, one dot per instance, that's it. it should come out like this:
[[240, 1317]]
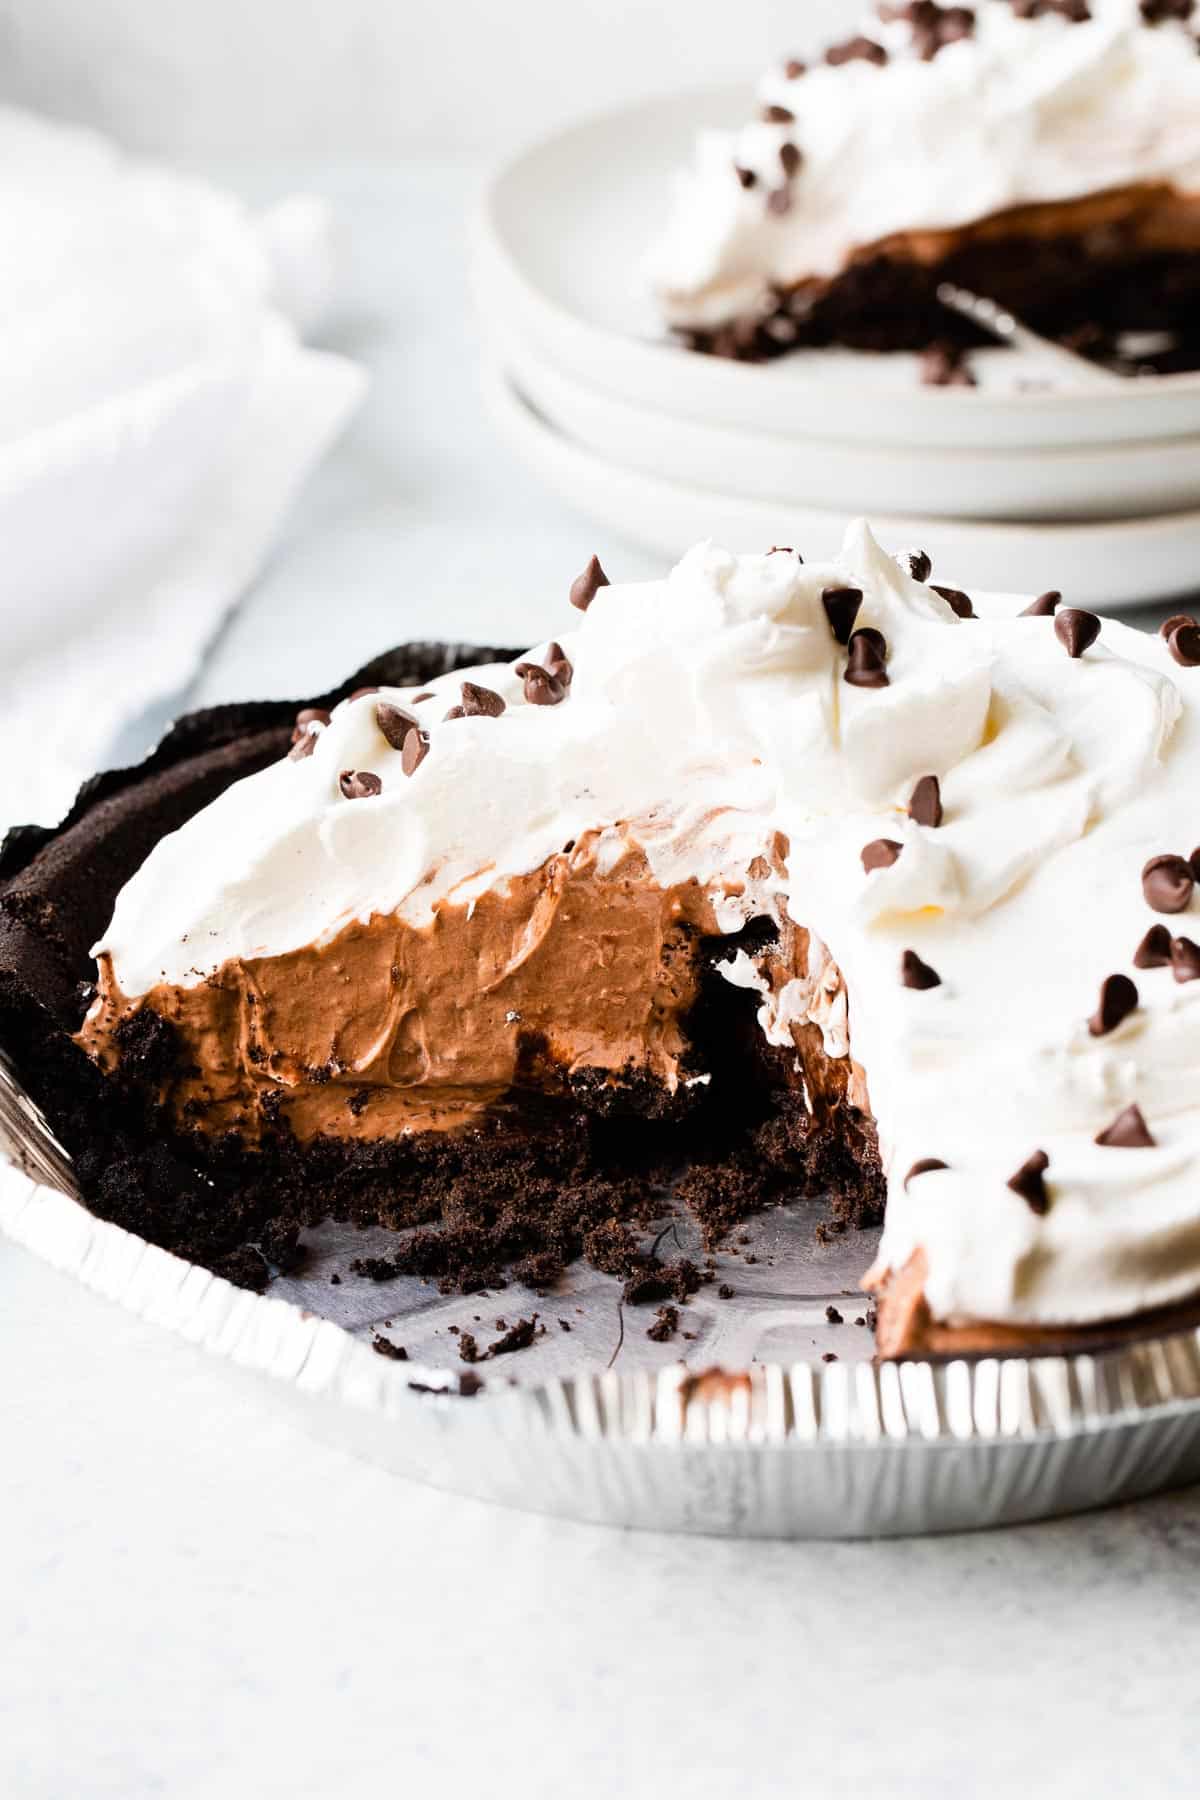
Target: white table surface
[[199, 1600]]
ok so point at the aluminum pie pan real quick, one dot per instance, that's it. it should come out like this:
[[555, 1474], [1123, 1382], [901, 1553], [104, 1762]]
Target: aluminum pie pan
[[778, 1448]]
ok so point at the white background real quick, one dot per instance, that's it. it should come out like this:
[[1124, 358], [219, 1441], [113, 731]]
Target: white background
[[376, 76]]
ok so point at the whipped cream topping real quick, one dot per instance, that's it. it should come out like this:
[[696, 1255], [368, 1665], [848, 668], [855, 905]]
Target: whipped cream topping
[[1020, 111], [710, 712]]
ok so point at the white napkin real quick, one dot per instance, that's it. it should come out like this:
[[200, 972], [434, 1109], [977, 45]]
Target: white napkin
[[157, 414]]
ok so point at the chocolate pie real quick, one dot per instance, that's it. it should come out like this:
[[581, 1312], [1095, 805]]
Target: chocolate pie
[[767, 879], [1044, 153]]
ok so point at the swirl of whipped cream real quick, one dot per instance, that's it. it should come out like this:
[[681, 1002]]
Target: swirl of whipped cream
[[709, 718], [1023, 110]]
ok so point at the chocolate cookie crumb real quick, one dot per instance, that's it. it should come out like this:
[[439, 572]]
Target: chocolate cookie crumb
[[664, 1281], [375, 1268], [517, 1337], [945, 365]]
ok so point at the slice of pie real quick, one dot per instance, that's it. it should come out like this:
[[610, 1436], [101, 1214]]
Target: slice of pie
[[768, 878], [1045, 153]]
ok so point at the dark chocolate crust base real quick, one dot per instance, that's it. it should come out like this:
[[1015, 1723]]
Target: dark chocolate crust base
[[1083, 293], [543, 1180]]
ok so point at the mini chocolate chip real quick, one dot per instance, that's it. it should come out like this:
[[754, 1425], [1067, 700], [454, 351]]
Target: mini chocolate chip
[[414, 751], [880, 853], [793, 68], [917, 974], [417, 698], [779, 202], [1044, 606], [841, 609], [456, 712], [1184, 645], [958, 602], [1167, 883], [925, 807], [1118, 998], [924, 1166], [1076, 629], [306, 718], [747, 177], [359, 784], [856, 49], [1154, 951], [920, 565], [1157, 12], [361, 693], [541, 688], [950, 26], [558, 665], [1173, 623], [1076, 12], [1128, 1131], [865, 663], [585, 587], [480, 702], [777, 115], [1029, 1184], [1185, 959], [394, 723], [790, 158]]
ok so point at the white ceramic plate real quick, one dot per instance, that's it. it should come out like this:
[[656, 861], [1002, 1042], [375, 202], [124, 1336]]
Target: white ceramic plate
[[1106, 565], [1109, 482], [558, 245]]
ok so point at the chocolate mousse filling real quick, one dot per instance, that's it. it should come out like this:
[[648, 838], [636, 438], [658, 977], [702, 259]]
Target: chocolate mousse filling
[[1085, 271], [529, 1074], [566, 978]]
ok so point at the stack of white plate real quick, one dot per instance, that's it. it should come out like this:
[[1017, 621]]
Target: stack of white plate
[[1020, 483]]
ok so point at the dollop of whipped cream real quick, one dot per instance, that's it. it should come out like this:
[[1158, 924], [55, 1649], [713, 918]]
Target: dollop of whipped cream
[[1021, 110], [708, 718]]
